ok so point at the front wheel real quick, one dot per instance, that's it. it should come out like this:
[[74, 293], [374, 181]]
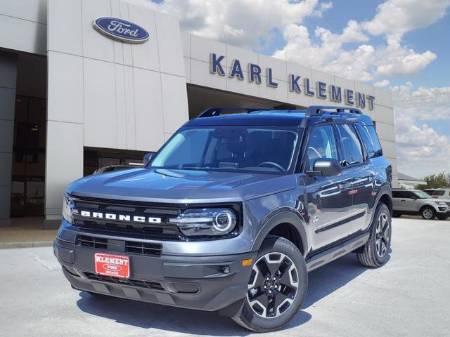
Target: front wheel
[[276, 288], [427, 213], [375, 252]]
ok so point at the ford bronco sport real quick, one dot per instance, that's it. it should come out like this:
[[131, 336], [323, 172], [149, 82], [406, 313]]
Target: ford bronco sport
[[232, 213]]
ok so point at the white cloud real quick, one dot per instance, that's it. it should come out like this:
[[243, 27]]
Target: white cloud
[[398, 60], [324, 6], [421, 149], [241, 22], [328, 54], [423, 103], [366, 62], [382, 83], [397, 17]]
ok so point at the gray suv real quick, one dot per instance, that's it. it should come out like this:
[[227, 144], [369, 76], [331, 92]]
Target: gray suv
[[232, 213], [418, 202]]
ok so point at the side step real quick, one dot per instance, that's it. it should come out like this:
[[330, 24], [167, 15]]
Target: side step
[[336, 252]]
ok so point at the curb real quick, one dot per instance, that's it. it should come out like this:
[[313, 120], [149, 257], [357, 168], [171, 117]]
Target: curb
[[8, 245]]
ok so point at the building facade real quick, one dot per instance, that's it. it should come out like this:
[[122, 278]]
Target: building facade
[[85, 83]]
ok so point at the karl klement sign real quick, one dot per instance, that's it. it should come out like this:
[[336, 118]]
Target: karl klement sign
[[319, 89]]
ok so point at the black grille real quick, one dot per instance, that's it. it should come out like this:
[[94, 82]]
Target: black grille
[[122, 281], [144, 248], [132, 247], [157, 231], [92, 242]]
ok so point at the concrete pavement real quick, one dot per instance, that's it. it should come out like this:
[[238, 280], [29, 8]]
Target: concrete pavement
[[410, 296]]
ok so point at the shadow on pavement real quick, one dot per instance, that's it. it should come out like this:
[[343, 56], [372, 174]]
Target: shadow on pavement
[[322, 283]]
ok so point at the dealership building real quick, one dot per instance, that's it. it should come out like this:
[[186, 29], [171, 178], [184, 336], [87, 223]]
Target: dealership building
[[89, 83]]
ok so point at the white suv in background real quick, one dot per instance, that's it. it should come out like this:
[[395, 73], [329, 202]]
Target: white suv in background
[[418, 202]]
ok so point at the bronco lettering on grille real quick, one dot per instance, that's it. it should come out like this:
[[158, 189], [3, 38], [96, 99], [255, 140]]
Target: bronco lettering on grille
[[120, 217]]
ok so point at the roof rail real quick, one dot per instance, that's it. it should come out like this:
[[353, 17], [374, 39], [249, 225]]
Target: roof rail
[[312, 110], [217, 111], [320, 109]]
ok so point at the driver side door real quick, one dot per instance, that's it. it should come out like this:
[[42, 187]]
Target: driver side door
[[327, 203]]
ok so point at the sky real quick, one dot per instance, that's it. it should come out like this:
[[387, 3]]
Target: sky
[[402, 45]]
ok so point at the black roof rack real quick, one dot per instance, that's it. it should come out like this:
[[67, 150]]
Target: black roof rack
[[320, 109], [217, 111], [312, 110]]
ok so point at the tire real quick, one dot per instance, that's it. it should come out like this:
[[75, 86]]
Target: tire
[[442, 216], [375, 252], [396, 214], [271, 303], [428, 213]]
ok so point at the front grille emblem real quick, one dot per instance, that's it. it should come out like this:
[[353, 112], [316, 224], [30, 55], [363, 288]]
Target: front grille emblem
[[120, 217]]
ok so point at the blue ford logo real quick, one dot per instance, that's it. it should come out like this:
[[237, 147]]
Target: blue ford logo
[[121, 30]]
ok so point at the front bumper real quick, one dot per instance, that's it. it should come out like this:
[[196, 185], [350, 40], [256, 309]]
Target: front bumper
[[443, 210], [196, 282]]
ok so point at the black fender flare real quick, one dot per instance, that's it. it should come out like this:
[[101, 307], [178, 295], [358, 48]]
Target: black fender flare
[[281, 216], [385, 190]]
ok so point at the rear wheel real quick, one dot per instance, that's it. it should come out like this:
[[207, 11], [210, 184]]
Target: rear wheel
[[375, 252], [427, 213], [276, 288]]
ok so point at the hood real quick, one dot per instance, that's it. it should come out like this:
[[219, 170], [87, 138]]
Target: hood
[[437, 201], [180, 186]]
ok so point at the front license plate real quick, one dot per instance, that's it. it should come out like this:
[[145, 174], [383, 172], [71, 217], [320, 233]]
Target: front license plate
[[112, 265]]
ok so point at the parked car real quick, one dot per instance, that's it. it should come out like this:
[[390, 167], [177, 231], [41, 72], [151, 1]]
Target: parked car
[[418, 202], [232, 213]]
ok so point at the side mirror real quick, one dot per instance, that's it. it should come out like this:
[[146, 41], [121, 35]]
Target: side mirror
[[148, 157], [326, 167]]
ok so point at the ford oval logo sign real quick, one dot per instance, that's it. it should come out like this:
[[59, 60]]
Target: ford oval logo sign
[[121, 30]]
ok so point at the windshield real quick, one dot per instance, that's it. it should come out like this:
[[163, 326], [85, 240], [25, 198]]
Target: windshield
[[422, 195], [230, 148]]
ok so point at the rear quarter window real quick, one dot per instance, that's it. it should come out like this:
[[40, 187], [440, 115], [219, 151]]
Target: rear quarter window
[[351, 146], [370, 140]]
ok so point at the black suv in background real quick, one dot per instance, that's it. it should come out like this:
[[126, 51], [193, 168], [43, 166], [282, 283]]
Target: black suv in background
[[232, 213]]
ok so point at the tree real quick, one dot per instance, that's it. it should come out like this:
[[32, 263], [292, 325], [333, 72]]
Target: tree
[[439, 180]]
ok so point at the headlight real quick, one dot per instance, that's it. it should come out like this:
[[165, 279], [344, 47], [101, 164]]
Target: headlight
[[441, 203], [67, 210], [206, 221]]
